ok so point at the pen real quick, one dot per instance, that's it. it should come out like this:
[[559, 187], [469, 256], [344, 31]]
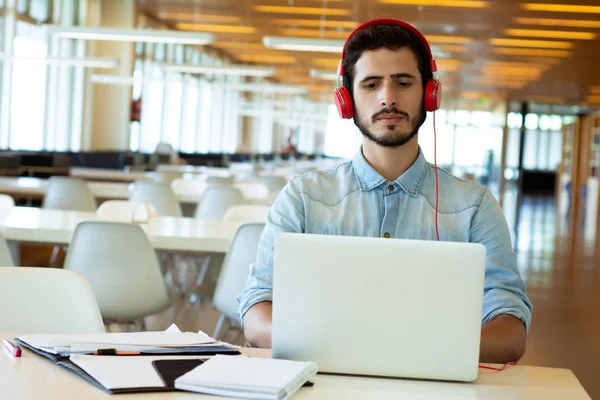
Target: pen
[[14, 350]]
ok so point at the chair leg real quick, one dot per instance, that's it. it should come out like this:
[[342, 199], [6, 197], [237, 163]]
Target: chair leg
[[220, 323], [54, 257]]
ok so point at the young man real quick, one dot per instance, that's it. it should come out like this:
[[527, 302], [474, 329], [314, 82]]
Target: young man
[[388, 190]]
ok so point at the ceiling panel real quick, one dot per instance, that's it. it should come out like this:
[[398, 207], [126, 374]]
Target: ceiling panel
[[538, 50]]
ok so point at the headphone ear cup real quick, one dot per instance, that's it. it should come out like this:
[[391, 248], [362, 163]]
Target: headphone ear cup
[[343, 102], [433, 95]]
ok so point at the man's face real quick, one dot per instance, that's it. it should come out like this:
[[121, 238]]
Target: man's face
[[388, 96]]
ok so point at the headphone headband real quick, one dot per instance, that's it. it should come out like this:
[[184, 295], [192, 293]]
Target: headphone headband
[[389, 21]]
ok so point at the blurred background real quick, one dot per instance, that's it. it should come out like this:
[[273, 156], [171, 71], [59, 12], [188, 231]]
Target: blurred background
[[113, 91]]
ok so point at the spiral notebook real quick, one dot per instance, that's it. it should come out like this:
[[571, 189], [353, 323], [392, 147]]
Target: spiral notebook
[[247, 378]]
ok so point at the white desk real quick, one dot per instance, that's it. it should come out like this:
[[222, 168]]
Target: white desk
[[101, 174], [34, 377], [35, 225]]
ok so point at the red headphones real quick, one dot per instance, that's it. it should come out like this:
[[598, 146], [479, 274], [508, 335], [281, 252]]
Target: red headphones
[[433, 89]]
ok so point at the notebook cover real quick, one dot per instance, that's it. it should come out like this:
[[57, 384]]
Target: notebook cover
[[169, 370]]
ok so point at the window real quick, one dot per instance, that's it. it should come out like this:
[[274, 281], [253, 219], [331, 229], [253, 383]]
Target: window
[[28, 93], [342, 137]]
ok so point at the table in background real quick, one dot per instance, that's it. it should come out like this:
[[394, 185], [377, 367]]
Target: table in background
[[181, 235]]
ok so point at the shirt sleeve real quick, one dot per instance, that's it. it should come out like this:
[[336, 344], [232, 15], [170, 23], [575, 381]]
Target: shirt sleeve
[[504, 289], [286, 215]]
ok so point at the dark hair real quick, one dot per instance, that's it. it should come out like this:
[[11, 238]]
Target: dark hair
[[388, 36]]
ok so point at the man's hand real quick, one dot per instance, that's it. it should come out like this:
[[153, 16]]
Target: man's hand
[[257, 325], [502, 340]]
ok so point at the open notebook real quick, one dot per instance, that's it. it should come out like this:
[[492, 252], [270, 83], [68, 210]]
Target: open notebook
[[248, 378], [124, 373]]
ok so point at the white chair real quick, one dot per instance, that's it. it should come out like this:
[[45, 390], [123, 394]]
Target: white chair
[[122, 268], [126, 211], [216, 200], [167, 176], [47, 300], [6, 258], [160, 195], [6, 202], [234, 273], [247, 213], [273, 183], [64, 193]]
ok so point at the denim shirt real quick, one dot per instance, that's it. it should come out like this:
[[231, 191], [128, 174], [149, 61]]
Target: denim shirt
[[355, 200]]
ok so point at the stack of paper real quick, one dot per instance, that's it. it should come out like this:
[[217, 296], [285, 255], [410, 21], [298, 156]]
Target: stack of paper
[[167, 342]]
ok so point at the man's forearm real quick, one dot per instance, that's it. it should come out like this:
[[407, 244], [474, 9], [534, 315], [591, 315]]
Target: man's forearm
[[502, 340], [257, 325]]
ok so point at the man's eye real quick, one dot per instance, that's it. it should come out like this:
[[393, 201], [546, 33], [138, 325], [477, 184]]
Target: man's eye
[[371, 86], [404, 84]]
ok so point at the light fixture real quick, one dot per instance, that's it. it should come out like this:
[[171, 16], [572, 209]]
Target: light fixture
[[90, 62], [448, 39], [187, 26], [506, 84], [270, 59], [454, 48], [130, 35], [331, 63], [550, 34], [265, 88], [562, 8], [302, 10], [316, 33], [441, 3], [325, 75], [315, 23], [593, 99], [118, 80], [545, 44], [572, 23], [303, 44], [509, 51], [226, 19], [237, 70]]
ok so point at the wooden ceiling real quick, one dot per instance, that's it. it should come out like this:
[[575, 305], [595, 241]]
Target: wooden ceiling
[[486, 50]]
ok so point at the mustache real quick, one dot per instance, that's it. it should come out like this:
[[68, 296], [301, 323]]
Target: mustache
[[392, 110]]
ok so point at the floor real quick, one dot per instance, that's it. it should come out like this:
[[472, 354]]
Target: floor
[[563, 285]]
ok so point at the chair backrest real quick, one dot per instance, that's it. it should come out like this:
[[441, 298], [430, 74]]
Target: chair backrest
[[6, 258], [247, 213], [64, 193], [167, 176], [160, 195], [121, 265], [126, 211], [6, 202], [273, 183], [234, 271], [216, 200], [47, 300]]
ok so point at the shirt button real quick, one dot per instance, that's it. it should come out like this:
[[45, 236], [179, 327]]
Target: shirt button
[[391, 187], [386, 235]]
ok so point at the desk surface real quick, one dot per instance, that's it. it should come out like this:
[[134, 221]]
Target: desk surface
[[254, 193], [37, 225], [110, 174], [34, 377]]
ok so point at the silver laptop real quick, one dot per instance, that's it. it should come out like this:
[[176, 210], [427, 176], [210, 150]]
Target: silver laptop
[[381, 307]]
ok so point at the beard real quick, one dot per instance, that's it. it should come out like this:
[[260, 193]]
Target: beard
[[392, 138]]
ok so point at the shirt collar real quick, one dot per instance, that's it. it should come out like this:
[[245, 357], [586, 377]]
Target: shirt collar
[[369, 179]]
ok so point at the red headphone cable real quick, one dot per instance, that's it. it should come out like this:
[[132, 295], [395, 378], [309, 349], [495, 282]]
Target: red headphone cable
[[437, 231]]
